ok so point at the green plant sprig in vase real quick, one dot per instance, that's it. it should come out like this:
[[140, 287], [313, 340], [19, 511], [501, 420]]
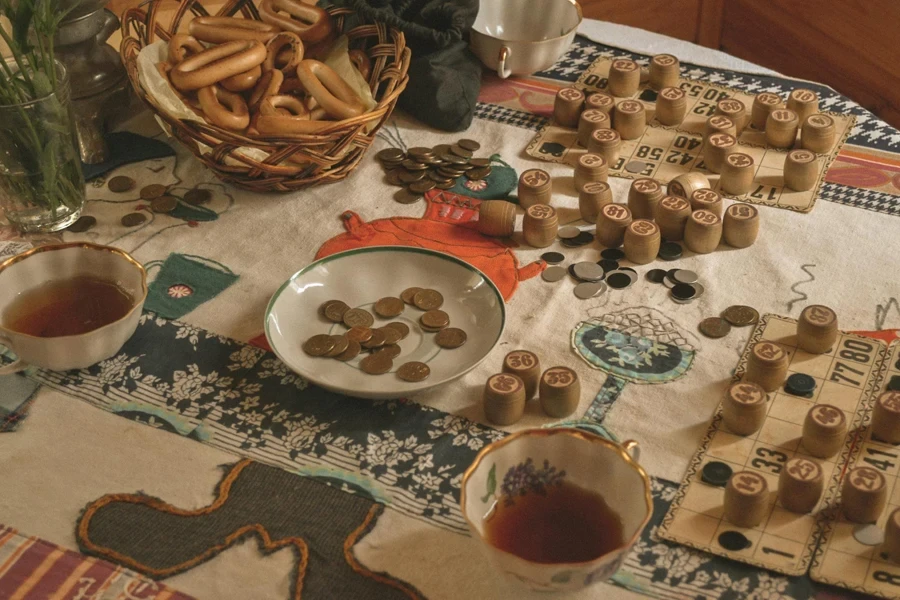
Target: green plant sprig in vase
[[41, 185]]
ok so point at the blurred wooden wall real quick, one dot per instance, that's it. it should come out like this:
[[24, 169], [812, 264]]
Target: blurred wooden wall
[[851, 45]]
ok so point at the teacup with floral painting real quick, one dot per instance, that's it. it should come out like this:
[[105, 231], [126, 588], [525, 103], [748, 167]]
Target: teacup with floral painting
[[543, 462]]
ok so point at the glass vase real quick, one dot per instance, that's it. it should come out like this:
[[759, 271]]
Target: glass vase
[[41, 184]]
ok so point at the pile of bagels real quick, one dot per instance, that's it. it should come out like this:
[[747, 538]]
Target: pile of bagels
[[262, 77]]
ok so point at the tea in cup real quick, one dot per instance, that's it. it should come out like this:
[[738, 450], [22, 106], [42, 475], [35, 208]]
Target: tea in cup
[[69, 306], [557, 509]]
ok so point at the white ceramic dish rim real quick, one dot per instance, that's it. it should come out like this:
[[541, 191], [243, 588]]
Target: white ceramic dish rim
[[374, 249], [620, 448], [138, 303], [531, 41]]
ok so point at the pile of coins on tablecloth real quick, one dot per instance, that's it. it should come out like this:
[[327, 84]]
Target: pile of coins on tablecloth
[[683, 284], [420, 169], [595, 278], [382, 342], [737, 316], [161, 202]]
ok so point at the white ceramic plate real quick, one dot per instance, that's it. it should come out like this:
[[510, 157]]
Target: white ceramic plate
[[359, 278]]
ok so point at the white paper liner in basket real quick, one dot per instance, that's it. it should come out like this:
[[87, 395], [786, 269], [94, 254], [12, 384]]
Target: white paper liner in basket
[[166, 99]]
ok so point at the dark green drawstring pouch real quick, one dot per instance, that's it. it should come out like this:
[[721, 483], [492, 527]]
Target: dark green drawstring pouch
[[444, 75]]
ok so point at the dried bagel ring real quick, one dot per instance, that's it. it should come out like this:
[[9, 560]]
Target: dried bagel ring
[[330, 91], [242, 81], [283, 57], [271, 105], [318, 114], [164, 69], [223, 108], [218, 30], [311, 23], [268, 85], [284, 41], [217, 63], [182, 45], [361, 61]]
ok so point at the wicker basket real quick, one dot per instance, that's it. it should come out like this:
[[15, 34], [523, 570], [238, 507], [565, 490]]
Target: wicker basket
[[327, 156]]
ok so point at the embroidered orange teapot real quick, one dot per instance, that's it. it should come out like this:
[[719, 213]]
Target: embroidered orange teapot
[[447, 226]]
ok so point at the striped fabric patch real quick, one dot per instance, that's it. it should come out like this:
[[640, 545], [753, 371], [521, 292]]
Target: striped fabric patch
[[32, 568]]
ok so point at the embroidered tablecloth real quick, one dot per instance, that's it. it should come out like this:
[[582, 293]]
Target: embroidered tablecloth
[[157, 431]]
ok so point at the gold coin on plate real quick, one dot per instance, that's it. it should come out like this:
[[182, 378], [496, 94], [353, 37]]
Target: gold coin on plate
[[318, 345], [480, 162], [352, 351], [334, 310], [120, 184], [408, 294], [83, 224], [451, 337], [714, 327], [376, 363], [358, 317], [154, 190], [197, 196], [434, 319], [392, 350], [134, 219], [376, 341], [470, 145], [441, 149], [389, 307], [359, 334], [391, 335], [340, 344], [164, 204], [427, 299], [741, 316], [413, 371], [444, 186], [402, 328]]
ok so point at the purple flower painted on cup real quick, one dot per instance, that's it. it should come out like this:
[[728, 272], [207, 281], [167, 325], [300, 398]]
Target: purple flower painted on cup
[[525, 478]]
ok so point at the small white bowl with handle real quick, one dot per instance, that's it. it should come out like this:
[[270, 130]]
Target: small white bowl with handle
[[522, 37]]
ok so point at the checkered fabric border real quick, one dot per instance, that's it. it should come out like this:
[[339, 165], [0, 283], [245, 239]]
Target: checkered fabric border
[[867, 199], [509, 116]]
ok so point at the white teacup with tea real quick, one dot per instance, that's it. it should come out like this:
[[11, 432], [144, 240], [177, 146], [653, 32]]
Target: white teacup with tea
[[69, 306], [557, 509]]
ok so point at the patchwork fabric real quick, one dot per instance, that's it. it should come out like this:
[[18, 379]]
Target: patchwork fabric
[[447, 226], [635, 359], [161, 540], [32, 568], [184, 282], [245, 401], [16, 395], [241, 399]]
